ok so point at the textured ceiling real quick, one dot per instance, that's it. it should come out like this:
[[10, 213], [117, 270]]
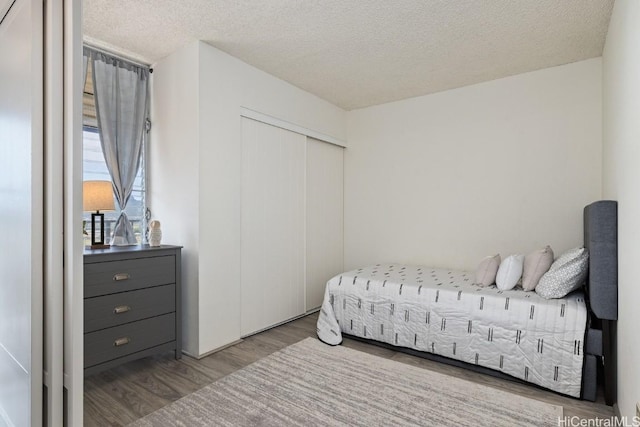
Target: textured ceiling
[[357, 53]]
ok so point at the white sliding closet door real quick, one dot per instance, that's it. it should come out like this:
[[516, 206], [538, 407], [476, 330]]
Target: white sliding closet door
[[325, 164], [21, 212], [273, 230]]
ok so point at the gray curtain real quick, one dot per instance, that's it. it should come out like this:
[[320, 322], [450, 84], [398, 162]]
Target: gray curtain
[[121, 91], [85, 64]]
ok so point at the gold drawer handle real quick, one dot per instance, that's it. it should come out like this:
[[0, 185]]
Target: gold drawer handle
[[121, 341], [121, 276], [121, 309]]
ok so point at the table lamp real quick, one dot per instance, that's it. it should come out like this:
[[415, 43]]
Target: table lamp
[[97, 196]]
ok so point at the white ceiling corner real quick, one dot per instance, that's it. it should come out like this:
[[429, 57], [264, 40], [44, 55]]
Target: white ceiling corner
[[357, 53]]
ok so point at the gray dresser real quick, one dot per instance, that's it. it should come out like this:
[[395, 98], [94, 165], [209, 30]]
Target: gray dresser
[[131, 304]]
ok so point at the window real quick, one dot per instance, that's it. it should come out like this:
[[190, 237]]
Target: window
[[95, 168]]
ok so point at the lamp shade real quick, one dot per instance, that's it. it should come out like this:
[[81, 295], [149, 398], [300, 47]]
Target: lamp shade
[[97, 196]]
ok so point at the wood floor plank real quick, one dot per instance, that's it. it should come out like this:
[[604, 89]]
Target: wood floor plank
[[117, 400], [123, 394], [186, 378]]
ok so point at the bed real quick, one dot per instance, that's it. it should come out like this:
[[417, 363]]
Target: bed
[[556, 344]]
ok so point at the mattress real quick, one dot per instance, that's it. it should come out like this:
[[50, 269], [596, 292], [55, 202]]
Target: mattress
[[443, 312]]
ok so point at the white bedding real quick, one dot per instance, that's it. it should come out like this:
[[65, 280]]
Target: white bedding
[[443, 312]]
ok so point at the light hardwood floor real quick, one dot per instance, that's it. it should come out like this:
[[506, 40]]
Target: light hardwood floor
[[121, 395]]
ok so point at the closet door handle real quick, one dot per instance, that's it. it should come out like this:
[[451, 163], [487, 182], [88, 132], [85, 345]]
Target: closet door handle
[[121, 276], [121, 309], [121, 341]]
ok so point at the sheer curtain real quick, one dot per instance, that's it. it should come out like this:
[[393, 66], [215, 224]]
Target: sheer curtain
[[121, 91]]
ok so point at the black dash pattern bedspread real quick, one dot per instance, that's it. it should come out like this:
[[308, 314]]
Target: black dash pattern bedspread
[[443, 312]]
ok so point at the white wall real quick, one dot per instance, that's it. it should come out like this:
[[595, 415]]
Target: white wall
[[173, 192], [210, 147], [621, 175], [503, 166]]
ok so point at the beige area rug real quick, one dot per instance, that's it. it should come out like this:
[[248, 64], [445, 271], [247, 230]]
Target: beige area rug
[[313, 384]]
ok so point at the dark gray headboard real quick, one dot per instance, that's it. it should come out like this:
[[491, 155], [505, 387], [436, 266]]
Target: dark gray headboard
[[601, 239]]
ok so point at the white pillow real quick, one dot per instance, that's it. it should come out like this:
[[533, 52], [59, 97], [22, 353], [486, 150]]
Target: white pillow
[[566, 274], [536, 264], [509, 272], [487, 270]]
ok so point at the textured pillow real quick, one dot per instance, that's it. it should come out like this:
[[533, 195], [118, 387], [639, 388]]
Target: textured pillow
[[566, 274], [535, 265], [486, 271], [509, 272]]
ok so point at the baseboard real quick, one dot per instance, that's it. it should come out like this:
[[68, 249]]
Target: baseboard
[[284, 322], [215, 350]]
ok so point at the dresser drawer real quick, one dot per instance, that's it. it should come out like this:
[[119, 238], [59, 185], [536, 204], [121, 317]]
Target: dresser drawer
[[119, 341], [110, 277], [117, 309]]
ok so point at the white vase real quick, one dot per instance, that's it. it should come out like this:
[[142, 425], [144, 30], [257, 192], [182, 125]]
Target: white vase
[[155, 237]]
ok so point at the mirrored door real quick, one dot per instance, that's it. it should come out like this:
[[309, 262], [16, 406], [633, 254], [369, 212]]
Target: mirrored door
[[21, 211]]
